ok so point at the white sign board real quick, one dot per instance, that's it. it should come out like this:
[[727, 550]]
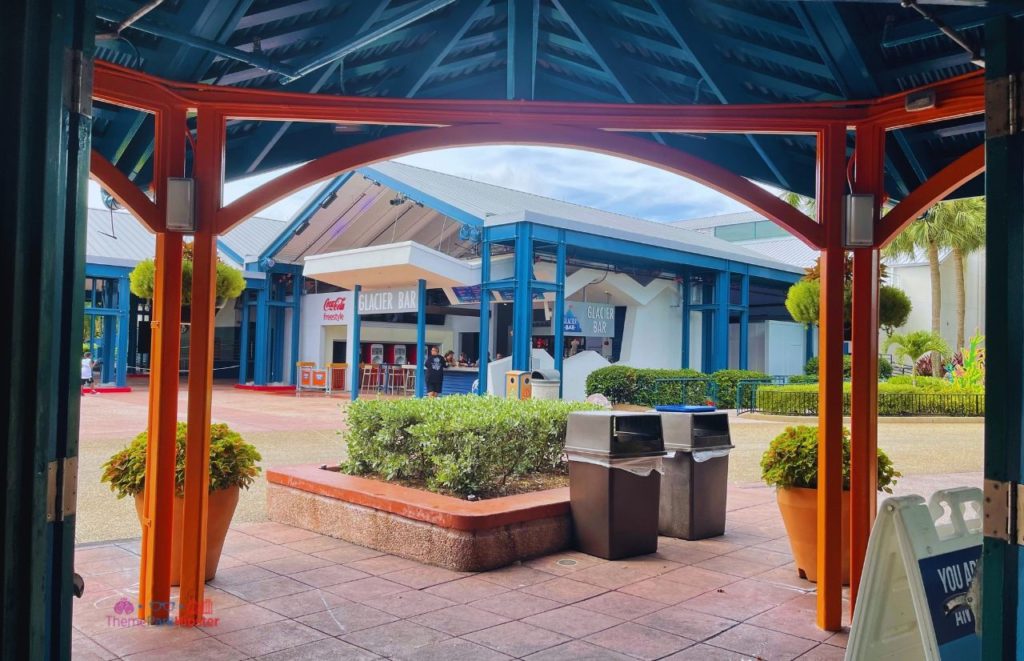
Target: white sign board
[[914, 601], [388, 301], [327, 309]]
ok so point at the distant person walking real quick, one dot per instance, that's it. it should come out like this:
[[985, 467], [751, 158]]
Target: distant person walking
[[433, 368], [87, 367]]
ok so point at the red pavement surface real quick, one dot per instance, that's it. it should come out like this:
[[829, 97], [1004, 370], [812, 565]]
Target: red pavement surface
[[118, 415]]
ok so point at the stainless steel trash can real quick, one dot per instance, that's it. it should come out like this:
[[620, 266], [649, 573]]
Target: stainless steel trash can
[[614, 481], [694, 485], [546, 384]]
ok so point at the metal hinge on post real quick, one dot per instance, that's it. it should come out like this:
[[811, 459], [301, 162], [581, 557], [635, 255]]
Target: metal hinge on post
[[1003, 106], [78, 92], [61, 488]]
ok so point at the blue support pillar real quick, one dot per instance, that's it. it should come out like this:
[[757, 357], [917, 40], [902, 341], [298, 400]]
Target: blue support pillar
[[720, 340], [354, 368], [744, 321], [108, 339], [684, 306], [124, 296], [243, 350], [522, 310], [262, 349], [560, 310], [1002, 556], [485, 312], [421, 335], [296, 315]]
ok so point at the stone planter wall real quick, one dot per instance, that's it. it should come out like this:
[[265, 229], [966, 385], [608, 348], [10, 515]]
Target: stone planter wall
[[419, 525]]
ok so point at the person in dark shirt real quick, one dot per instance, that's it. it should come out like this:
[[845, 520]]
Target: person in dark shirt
[[433, 369]]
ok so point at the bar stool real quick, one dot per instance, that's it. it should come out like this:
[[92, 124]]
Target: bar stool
[[410, 382], [397, 383], [368, 377]]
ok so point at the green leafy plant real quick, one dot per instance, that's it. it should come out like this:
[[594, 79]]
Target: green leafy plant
[[461, 445], [230, 282], [811, 368], [969, 370], [232, 462], [634, 385], [727, 380], [915, 345], [897, 397], [791, 461]]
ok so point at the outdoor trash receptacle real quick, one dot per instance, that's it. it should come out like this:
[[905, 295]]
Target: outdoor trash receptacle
[[545, 384], [614, 481], [696, 471]]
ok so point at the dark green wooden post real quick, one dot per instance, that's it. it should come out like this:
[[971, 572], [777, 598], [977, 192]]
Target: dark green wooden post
[[44, 151], [1004, 321]]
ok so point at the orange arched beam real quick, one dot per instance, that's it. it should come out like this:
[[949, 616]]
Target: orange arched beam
[[961, 96], [133, 89], [124, 191], [614, 144], [941, 184]]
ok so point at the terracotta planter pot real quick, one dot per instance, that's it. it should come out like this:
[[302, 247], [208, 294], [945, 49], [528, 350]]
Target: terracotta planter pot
[[799, 508], [222, 507]]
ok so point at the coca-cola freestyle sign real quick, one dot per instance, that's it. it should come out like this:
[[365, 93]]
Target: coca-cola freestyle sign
[[334, 309], [331, 309]]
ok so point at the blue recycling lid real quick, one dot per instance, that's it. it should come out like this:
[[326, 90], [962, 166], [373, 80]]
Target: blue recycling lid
[[683, 408]]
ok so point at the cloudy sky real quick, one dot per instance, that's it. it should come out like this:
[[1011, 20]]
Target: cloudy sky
[[585, 178]]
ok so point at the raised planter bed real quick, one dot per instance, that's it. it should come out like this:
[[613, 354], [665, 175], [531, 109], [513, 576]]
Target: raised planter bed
[[423, 526]]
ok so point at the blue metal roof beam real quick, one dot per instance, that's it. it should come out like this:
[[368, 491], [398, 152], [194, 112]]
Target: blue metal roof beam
[[523, 20], [301, 220], [417, 195], [151, 27], [958, 19], [286, 11], [364, 38], [726, 87], [840, 52]]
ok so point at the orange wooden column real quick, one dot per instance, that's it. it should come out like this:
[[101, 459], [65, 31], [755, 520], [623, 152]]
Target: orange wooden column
[[209, 174], [868, 178], [831, 185], [158, 496]]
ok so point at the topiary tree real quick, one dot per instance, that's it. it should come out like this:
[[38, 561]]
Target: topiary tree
[[893, 308], [230, 282], [915, 345], [802, 301]]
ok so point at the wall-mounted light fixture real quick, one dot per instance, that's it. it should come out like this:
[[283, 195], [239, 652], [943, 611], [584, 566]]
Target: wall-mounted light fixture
[[859, 221]]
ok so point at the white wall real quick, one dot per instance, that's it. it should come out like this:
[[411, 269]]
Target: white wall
[[915, 280], [785, 343], [576, 369], [652, 336], [539, 360]]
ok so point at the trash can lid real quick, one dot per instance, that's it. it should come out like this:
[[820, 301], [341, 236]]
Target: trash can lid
[[614, 434], [546, 375], [683, 408]]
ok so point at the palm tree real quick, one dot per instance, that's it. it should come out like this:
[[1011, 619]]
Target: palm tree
[[966, 222], [806, 205], [930, 233], [914, 346]]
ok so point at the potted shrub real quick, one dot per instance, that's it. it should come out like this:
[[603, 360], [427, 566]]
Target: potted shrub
[[232, 467], [791, 465]]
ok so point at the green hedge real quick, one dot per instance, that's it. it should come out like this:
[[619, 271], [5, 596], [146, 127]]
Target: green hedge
[[461, 444], [633, 385], [884, 367], [727, 380], [893, 400]]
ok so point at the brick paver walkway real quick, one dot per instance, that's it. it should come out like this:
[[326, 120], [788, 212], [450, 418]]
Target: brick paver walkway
[[287, 593]]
